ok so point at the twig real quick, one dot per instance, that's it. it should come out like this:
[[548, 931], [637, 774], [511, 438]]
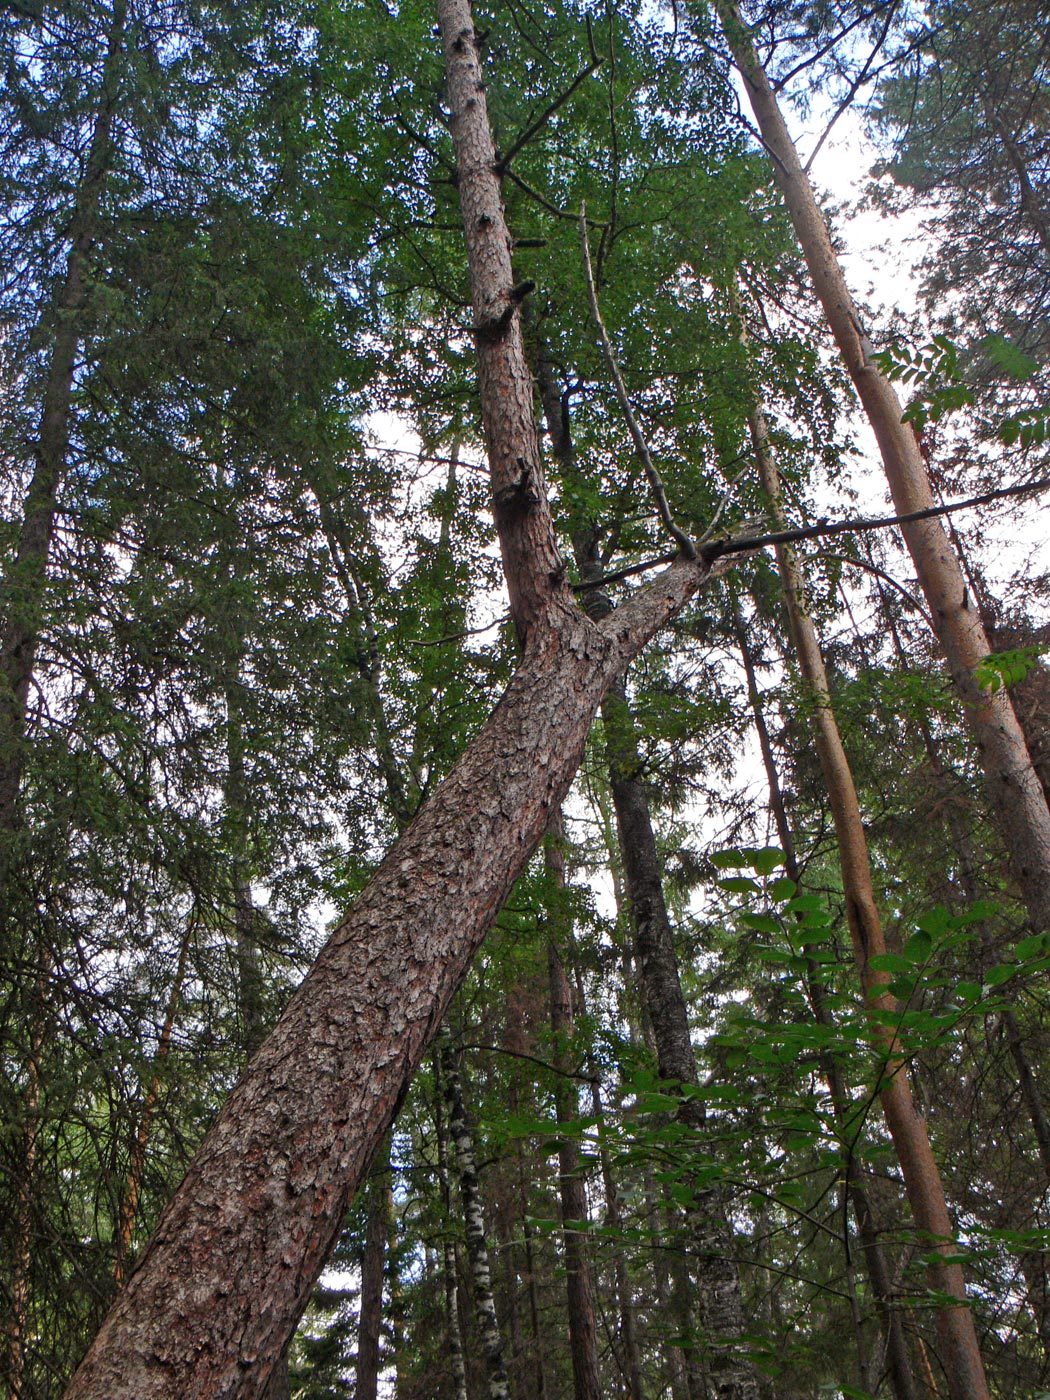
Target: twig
[[458, 636], [544, 202], [426, 143], [854, 88], [727, 496], [532, 1059], [871, 568], [503, 164], [685, 544]]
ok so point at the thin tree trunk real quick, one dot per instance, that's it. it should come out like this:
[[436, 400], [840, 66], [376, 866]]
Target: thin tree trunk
[[515, 1042], [902, 1381], [474, 1219], [1014, 789], [528, 1242], [508, 1301], [1030, 1091], [907, 1126], [1033, 1264], [668, 1304], [130, 1199], [17, 1328], [247, 920], [370, 1315], [583, 1334], [718, 1293], [21, 597], [238, 1249], [630, 1363]]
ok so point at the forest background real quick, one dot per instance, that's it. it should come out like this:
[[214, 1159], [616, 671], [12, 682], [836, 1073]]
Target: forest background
[[675, 1135]]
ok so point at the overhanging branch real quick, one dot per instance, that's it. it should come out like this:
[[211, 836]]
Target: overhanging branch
[[823, 529]]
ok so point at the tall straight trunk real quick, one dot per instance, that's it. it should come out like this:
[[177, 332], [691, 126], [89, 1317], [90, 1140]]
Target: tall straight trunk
[[539, 1353], [959, 1347], [629, 1362], [17, 1329], [449, 1272], [229, 1270], [250, 986], [514, 1040], [1033, 1264], [21, 594], [370, 1315], [718, 1294], [1013, 786], [583, 1334], [880, 1278], [21, 611], [718, 1299], [474, 1222]]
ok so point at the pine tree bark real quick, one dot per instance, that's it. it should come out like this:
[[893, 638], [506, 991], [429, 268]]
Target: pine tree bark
[[1013, 787], [230, 1268], [922, 1180]]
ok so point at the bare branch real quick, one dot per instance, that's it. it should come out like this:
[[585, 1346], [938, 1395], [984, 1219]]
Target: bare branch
[[503, 165], [656, 485], [825, 528], [744, 543]]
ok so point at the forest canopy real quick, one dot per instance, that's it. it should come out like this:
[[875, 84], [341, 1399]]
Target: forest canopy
[[524, 719]]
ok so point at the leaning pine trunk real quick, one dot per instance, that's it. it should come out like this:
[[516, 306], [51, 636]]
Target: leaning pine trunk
[[236, 1253]]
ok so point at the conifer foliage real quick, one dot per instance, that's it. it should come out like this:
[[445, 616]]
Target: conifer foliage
[[477, 918]]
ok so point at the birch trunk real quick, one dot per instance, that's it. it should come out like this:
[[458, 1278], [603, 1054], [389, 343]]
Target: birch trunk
[[1014, 790], [474, 1222], [922, 1180]]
